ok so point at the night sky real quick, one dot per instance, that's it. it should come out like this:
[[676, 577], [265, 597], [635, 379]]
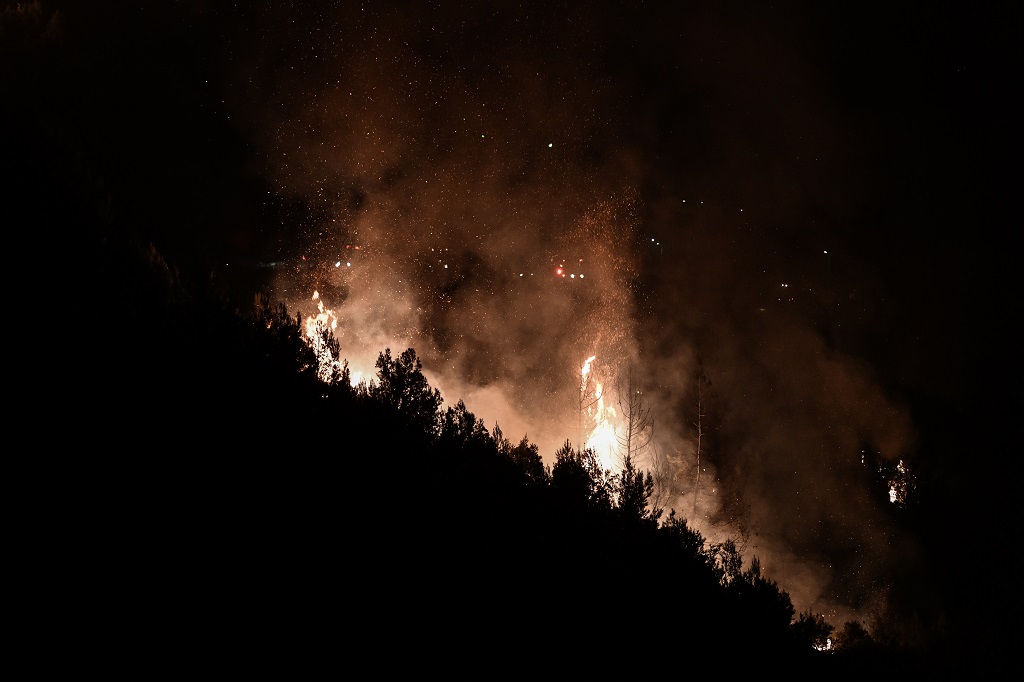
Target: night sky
[[806, 201]]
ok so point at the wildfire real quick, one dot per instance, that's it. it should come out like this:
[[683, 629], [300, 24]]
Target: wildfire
[[602, 437], [325, 319], [324, 316], [598, 418]]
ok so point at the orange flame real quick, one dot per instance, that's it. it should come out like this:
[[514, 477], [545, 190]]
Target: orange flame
[[603, 437], [325, 318]]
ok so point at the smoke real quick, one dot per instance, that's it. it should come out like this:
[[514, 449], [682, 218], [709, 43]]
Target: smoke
[[511, 191]]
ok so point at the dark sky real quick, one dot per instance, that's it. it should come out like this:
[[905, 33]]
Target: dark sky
[[807, 200]]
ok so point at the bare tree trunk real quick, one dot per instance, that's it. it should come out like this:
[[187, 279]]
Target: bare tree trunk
[[639, 428], [699, 424]]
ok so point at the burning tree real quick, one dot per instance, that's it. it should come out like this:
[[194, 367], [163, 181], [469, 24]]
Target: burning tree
[[589, 394]]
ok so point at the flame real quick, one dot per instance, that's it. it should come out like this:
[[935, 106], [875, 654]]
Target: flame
[[325, 318], [603, 439], [329, 366], [586, 371], [603, 436]]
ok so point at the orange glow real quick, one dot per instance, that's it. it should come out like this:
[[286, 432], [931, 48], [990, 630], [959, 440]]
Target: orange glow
[[603, 439], [327, 364], [603, 436], [326, 319]]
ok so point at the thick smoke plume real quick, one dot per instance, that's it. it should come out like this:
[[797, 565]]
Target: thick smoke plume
[[511, 191]]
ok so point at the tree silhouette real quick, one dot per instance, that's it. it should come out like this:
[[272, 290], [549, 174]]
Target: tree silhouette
[[633, 489], [460, 427], [638, 431], [853, 637], [727, 561], [769, 607], [401, 386], [279, 339], [811, 630], [689, 539], [524, 455], [577, 475]]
